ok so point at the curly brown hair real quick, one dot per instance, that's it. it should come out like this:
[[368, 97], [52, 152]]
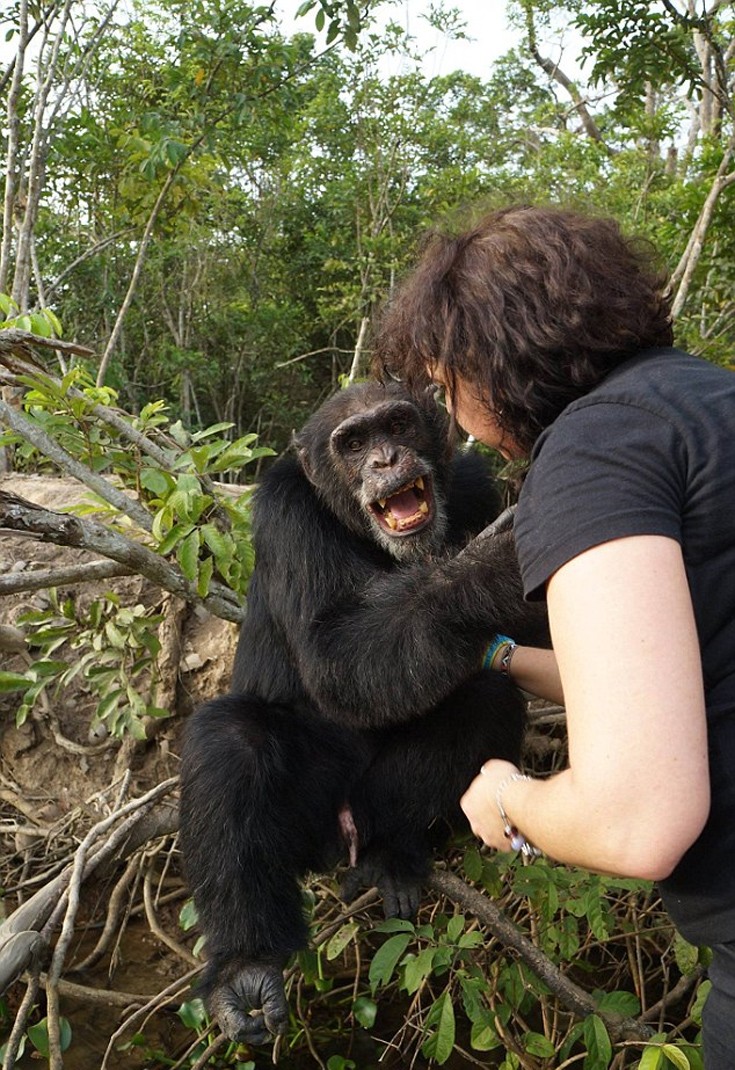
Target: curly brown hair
[[532, 307]]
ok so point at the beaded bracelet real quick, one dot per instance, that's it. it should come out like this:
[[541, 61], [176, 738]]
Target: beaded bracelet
[[495, 645], [517, 840], [506, 654]]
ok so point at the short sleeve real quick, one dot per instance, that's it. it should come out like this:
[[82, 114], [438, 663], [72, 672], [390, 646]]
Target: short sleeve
[[604, 470]]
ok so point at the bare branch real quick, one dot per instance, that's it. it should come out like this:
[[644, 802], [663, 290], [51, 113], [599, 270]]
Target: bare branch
[[554, 71], [40, 910], [93, 250], [13, 340], [40, 579]]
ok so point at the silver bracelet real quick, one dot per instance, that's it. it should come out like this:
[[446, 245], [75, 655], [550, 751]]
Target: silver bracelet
[[517, 840], [505, 659]]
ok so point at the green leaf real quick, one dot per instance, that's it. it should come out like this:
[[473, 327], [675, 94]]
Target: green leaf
[[13, 681], [686, 954], [187, 554], [204, 578], [175, 536], [676, 1056], [40, 325], [484, 1037], [537, 1044], [45, 668], [395, 925], [193, 1014], [652, 1057], [470, 940], [156, 481], [417, 968], [38, 1036], [455, 927], [213, 429], [472, 863], [386, 959], [222, 546], [440, 1045], [115, 637], [366, 1011], [599, 1048], [188, 916], [109, 704], [626, 1004], [702, 993], [344, 936]]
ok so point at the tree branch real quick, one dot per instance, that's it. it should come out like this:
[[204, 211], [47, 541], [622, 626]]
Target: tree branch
[[554, 72], [17, 514], [570, 994], [684, 271], [40, 579], [13, 340], [34, 434]]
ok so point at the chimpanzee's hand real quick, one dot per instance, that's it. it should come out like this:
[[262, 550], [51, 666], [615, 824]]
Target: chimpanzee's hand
[[251, 1005], [502, 522]]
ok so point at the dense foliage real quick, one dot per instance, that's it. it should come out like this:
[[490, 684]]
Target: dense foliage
[[216, 210]]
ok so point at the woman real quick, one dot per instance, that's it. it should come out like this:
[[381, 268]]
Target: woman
[[550, 334]]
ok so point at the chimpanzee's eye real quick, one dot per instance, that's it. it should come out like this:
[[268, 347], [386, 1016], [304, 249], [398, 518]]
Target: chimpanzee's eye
[[398, 427], [354, 444]]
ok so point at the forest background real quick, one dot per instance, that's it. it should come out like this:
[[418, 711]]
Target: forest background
[[202, 215]]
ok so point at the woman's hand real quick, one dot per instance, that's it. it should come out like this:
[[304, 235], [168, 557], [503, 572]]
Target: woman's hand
[[480, 805]]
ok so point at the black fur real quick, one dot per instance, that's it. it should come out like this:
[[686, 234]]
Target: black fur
[[356, 684]]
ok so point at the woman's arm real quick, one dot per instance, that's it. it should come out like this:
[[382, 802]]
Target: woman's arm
[[636, 793], [536, 671]]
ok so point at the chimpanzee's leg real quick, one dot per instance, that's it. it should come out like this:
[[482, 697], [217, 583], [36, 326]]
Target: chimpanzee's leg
[[262, 788], [408, 799]]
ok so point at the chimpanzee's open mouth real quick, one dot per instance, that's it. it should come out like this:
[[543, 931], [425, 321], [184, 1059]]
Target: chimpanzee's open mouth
[[406, 511]]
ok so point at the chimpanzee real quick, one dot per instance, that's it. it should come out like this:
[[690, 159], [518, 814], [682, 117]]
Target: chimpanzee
[[359, 710]]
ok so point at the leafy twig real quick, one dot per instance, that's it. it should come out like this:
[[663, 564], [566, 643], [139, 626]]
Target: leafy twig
[[573, 997]]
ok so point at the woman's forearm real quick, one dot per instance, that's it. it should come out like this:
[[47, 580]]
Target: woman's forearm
[[535, 670]]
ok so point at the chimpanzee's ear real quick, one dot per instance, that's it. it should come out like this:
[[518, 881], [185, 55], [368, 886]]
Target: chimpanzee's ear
[[304, 457]]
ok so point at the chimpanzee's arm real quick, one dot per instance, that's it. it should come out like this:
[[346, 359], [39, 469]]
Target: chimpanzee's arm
[[376, 642]]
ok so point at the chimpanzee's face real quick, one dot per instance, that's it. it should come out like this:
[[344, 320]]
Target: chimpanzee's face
[[380, 454], [381, 472]]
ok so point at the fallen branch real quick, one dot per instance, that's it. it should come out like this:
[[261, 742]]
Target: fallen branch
[[102, 997], [18, 514], [21, 935]]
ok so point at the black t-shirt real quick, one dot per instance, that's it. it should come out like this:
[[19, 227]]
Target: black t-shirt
[[652, 451]]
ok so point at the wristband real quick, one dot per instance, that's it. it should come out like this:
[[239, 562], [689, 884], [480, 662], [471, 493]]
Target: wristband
[[516, 839], [496, 643]]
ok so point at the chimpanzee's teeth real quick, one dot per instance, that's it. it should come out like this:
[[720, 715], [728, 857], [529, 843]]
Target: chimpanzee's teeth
[[381, 502], [423, 508], [391, 521], [419, 483]]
